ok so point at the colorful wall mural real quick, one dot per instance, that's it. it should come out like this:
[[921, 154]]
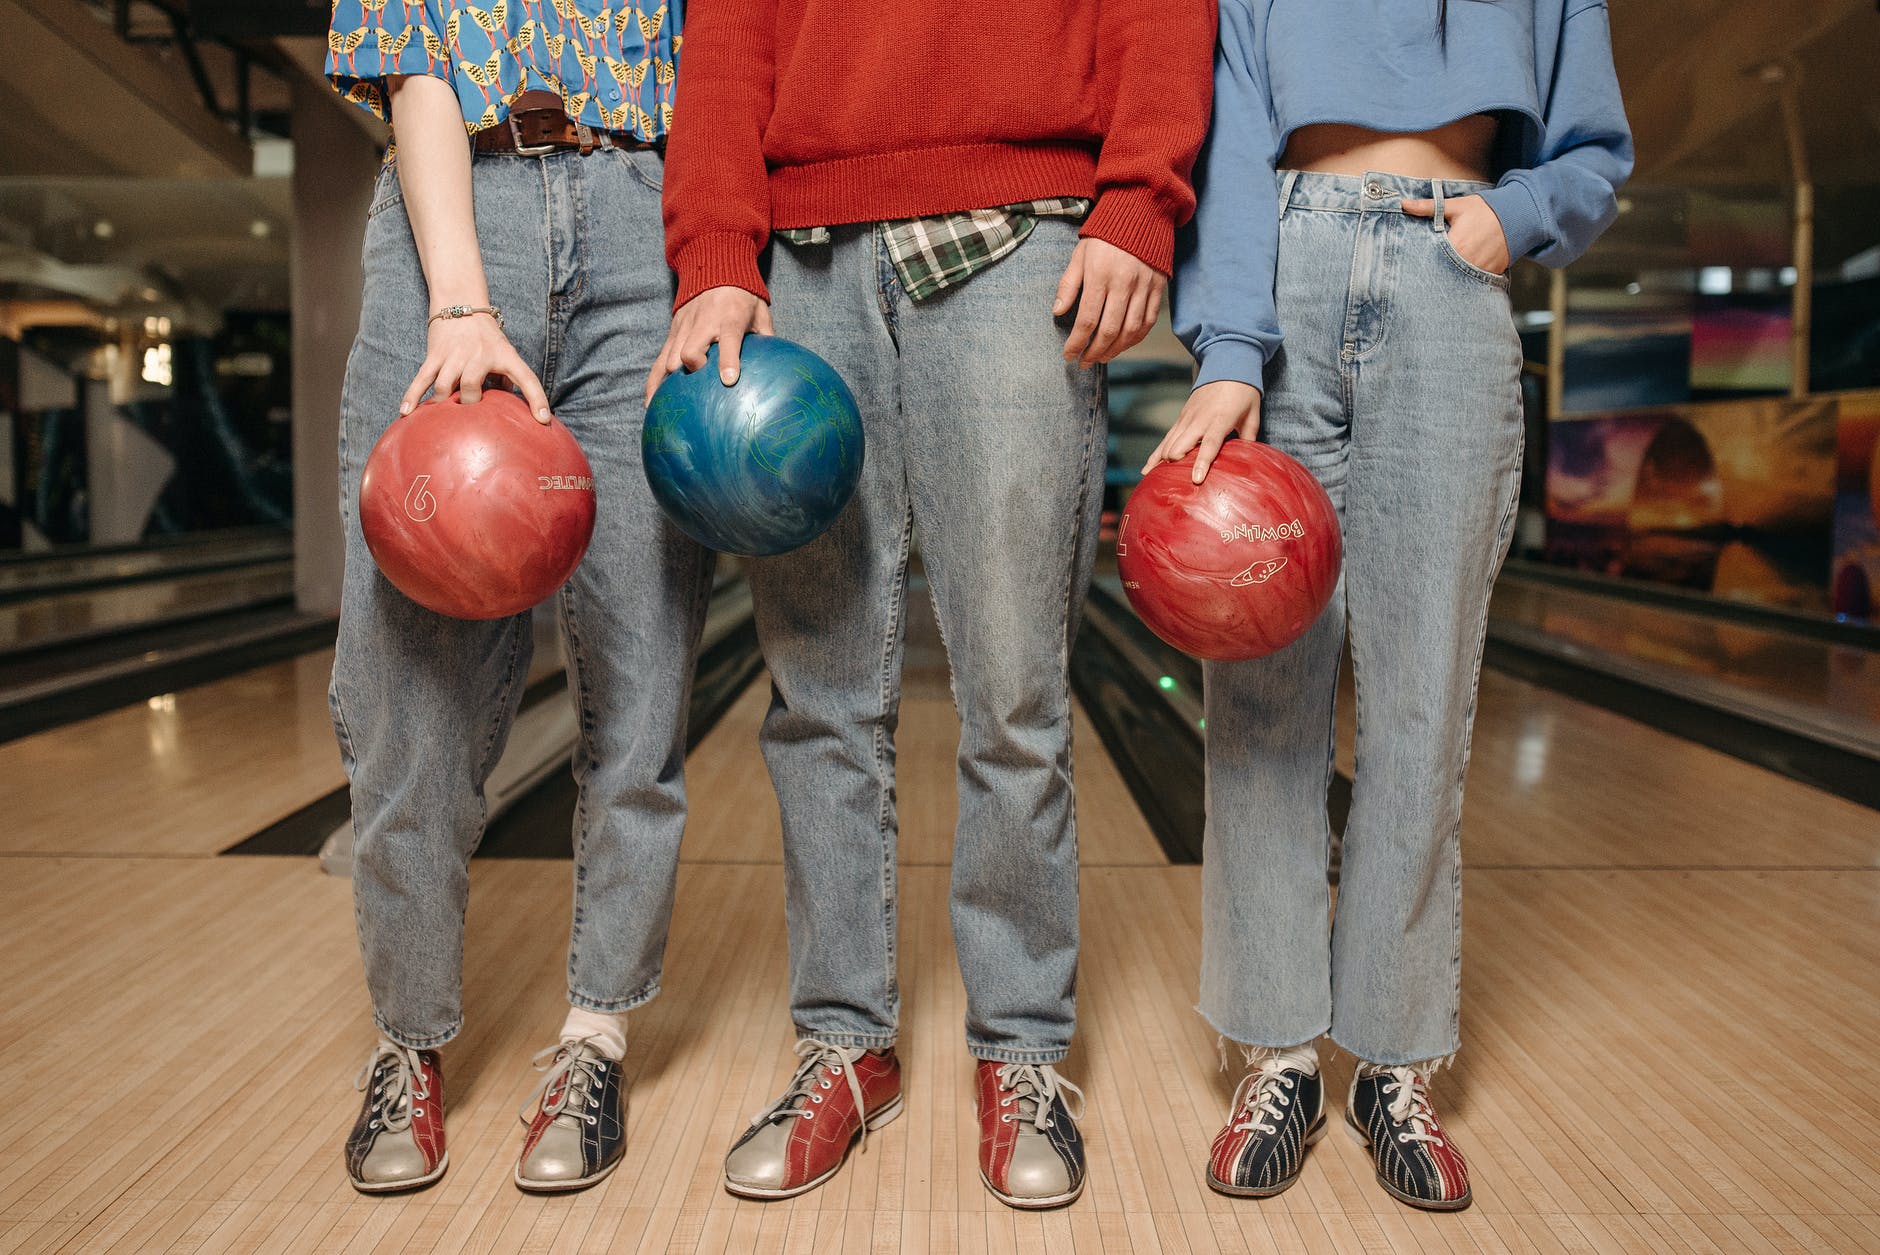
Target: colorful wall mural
[[1757, 500], [1855, 588]]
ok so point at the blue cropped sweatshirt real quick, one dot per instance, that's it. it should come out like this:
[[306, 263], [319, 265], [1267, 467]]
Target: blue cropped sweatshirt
[[1543, 66]]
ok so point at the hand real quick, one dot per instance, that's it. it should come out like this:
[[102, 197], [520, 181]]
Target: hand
[[1122, 296], [1474, 230], [1214, 412], [720, 316], [463, 352]]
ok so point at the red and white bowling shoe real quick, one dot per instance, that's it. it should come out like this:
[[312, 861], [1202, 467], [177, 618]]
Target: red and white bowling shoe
[[836, 1097]]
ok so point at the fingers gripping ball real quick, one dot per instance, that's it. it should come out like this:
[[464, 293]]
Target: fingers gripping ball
[[762, 466], [477, 511], [1237, 566]]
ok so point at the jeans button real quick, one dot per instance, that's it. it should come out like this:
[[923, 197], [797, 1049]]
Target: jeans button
[[1374, 190]]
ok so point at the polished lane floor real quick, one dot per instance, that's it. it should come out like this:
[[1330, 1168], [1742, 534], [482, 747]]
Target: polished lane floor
[[1669, 1010], [1827, 689]]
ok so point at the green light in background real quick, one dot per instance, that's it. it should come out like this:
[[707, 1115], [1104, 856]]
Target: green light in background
[[1167, 682], [1202, 724]]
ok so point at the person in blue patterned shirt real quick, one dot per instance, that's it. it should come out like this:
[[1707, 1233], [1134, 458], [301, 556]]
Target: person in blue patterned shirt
[[613, 67], [515, 235]]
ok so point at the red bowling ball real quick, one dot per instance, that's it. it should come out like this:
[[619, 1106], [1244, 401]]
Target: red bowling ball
[[477, 511], [1237, 566]]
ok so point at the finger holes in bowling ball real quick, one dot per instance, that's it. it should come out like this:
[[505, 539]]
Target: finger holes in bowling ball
[[477, 511], [763, 466], [1237, 566]]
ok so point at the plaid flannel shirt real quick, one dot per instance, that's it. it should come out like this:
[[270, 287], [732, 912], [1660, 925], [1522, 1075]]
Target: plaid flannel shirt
[[930, 254]]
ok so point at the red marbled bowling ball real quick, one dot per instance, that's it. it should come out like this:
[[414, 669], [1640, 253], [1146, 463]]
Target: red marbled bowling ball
[[1237, 566], [477, 511]]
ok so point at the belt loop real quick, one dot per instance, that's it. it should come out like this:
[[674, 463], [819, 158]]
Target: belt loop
[[1436, 217], [1286, 183]]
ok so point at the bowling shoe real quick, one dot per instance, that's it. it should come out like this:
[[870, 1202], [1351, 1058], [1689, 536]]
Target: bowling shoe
[[398, 1141], [836, 1097], [1278, 1111], [1389, 1111], [577, 1120], [1031, 1153]]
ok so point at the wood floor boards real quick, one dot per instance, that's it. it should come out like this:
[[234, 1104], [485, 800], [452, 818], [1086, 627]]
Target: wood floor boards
[[1670, 1005], [1651, 1062]]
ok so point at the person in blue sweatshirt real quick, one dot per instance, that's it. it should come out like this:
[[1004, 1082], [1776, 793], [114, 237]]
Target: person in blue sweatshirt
[[1374, 168]]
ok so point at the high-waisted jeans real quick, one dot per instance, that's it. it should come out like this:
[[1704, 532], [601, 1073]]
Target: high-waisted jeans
[[1399, 387], [986, 444], [573, 250]]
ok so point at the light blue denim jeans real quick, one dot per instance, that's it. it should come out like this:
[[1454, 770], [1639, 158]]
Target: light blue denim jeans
[[1399, 387], [986, 444], [422, 703]]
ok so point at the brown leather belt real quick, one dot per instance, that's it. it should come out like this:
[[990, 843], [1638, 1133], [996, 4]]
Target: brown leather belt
[[538, 125]]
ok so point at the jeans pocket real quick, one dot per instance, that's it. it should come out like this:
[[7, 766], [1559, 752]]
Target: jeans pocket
[[645, 164], [1468, 267], [386, 192]]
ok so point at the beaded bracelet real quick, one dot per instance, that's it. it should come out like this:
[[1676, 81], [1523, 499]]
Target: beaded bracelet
[[464, 311]]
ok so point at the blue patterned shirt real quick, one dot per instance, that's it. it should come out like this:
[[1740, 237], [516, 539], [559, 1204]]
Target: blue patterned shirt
[[612, 66]]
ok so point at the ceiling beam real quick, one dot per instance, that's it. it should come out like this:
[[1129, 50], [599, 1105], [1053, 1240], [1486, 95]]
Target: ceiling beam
[[1706, 84], [138, 114]]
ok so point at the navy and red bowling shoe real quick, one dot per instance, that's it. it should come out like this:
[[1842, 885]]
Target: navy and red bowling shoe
[[577, 1120], [1278, 1111], [398, 1141], [1031, 1153], [1416, 1162]]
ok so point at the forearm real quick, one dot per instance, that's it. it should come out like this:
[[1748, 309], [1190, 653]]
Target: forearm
[[717, 192], [1223, 307], [1555, 210], [1156, 57], [434, 174]]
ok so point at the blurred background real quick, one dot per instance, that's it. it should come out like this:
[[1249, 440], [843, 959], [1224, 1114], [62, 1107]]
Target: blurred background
[[1671, 836], [181, 199]]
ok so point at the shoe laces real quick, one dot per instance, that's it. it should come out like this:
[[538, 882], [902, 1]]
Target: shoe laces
[[822, 1063], [1031, 1089], [1262, 1096], [399, 1083], [571, 1080], [1410, 1105]]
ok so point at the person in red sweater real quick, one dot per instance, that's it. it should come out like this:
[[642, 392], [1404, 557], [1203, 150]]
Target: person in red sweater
[[975, 207]]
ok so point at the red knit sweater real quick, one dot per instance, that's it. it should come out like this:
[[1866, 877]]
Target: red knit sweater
[[799, 113]]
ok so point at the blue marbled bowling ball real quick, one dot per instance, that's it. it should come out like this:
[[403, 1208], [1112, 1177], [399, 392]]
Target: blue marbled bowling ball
[[761, 467]]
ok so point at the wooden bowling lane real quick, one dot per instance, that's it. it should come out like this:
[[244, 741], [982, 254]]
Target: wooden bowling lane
[[89, 613], [184, 774], [1556, 783], [1668, 1015], [1651, 1063], [1830, 686], [29, 573]]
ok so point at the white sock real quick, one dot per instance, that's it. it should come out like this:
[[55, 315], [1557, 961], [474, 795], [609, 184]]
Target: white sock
[[1304, 1057], [608, 1031]]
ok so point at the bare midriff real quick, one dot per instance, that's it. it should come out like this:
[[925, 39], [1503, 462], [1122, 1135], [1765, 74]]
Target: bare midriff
[[1456, 150]]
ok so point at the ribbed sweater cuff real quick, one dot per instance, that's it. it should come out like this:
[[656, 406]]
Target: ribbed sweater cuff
[[1522, 222], [721, 259], [1239, 360], [1130, 219]]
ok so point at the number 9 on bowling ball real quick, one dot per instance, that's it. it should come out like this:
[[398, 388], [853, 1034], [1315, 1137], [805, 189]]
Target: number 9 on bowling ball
[[763, 466], [476, 511]]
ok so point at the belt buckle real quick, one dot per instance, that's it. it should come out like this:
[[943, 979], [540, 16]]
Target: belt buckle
[[529, 150]]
